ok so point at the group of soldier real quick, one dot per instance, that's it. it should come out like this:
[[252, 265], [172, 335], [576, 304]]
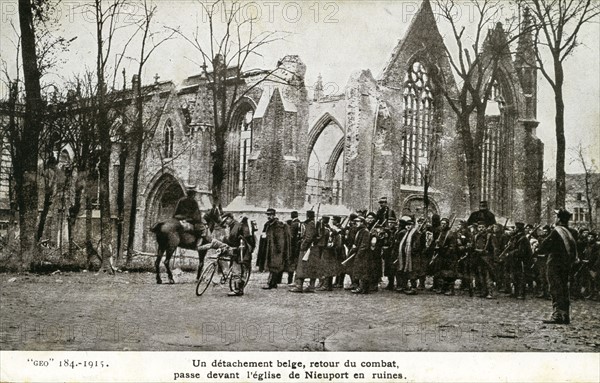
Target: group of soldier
[[477, 255]]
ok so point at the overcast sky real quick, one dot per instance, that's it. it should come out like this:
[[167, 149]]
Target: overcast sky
[[333, 39]]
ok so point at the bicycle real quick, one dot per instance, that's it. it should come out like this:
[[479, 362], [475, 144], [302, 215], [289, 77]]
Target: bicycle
[[228, 275]]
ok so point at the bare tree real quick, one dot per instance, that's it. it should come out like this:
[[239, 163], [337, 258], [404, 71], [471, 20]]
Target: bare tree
[[150, 42], [26, 144], [558, 23], [223, 58], [474, 61]]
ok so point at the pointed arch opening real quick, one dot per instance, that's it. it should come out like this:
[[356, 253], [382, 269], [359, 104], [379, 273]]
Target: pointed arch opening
[[325, 162], [237, 152]]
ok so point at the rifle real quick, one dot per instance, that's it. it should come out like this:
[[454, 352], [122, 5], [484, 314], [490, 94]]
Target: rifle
[[436, 252]]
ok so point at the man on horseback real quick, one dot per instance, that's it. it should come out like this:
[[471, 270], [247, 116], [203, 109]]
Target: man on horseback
[[188, 212]]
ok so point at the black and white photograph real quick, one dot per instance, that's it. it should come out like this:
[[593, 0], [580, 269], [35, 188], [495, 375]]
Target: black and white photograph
[[344, 186]]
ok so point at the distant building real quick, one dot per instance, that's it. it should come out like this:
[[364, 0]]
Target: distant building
[[576, 200]]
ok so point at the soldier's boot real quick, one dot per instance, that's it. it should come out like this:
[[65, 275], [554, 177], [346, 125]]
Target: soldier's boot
[[327, 284], [298, 288], [354, 284], [290, 279], [311, 285], [390, 285], [339, 281], [238, 289]]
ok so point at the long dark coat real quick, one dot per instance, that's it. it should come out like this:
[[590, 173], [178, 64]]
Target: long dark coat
[[365, 260], [277, 246], [311, 267], [329, 262], [295, 237]]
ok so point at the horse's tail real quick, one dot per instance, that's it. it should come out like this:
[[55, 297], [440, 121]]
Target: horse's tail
[[156, 227]]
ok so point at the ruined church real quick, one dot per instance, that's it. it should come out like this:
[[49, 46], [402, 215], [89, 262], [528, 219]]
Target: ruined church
[[386, 134]]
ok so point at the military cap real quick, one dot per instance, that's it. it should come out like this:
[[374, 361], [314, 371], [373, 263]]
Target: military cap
[[271, 211], [294, 214], [445, 219], [310, 214], [529, 226], [563, 214], [383, 200], [359, 219], [519, 225], [353, 216], [371, 214], [483, 204], [325, 219], [225, 216]]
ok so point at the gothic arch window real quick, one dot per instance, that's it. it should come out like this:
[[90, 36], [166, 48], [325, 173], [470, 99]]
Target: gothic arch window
[[245, 148], [168, 140], [237, 152], [417, 120], [491, 150]]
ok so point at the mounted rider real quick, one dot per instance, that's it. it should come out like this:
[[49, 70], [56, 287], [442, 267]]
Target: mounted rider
[[188, 213]]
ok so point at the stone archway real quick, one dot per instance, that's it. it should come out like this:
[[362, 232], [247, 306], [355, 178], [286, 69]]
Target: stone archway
[[413, 205], [324, 170], [160, 203]]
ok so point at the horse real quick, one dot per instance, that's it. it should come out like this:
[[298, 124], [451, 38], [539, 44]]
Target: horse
[[170, 234]]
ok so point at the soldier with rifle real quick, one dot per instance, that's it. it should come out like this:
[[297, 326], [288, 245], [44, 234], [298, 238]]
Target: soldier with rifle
[[482, 253], [539, 266], [464, 265], [387, 245], [498, 241], [518, 253], [444, 256]]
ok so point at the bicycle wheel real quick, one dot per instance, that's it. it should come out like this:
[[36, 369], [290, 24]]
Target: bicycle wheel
[[245, 276], [205, 278]]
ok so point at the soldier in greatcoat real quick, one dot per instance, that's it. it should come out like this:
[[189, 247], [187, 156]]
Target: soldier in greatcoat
[[277, 248], [364, 257], [308, 259], [561, 247], [295, 236]]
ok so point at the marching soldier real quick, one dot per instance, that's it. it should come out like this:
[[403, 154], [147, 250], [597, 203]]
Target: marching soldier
[[308, 265], [464, 263], [519, 254], [295, 236], [349, 242], [561, 247], [387, 245], [482, 251], [540, 267], [338, 233], [384, 213], [400, 277], [444, 257], [364, 262], [277, 248], [498, 241], [325, 249], [410, 262]]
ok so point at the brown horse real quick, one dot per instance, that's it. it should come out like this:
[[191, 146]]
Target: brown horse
[[170, 234]]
